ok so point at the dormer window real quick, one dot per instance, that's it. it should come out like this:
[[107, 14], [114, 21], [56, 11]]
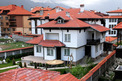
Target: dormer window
[[60, 21]]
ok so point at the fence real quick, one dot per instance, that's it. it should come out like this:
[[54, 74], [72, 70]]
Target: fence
[[100, 68], [16, 51]]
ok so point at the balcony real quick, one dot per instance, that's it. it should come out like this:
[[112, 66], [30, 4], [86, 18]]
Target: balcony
[[93, 41], [12, 19], [12, 25]]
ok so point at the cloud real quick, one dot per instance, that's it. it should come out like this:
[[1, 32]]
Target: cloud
[[71, 3]]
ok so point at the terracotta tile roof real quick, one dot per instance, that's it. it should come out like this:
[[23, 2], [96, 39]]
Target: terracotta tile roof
[[28, 74], [110, 39], [60, 7], [99, 28], [112, 17], [72, 23], [115, 11], [118, 26], [19, 11], [9, 7], [36, 40], [66, 77], [40, 8], [51, 43]]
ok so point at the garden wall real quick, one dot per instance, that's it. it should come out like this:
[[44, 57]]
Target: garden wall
[[16, 51], [100, 68]]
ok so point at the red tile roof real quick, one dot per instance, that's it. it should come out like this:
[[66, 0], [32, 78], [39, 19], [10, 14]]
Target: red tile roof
[[99, 28], [28, 74], [110, 39], [9, 7], [36, 40], [118, 26], [51, 43], [19, 11], [72, 23], [40, 8], [115, 11], [66, 77]]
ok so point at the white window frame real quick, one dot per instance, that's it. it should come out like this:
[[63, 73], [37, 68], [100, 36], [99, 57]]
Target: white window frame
[[49, 51], [66, 52], [67, 37], [38, 49], [96, 48]]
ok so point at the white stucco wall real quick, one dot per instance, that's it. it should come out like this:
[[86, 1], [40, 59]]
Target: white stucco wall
[[33, 26]]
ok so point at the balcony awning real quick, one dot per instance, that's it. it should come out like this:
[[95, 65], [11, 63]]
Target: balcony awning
[[51, 43]]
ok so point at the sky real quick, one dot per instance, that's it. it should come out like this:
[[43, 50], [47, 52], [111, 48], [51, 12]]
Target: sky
[[99, 5]]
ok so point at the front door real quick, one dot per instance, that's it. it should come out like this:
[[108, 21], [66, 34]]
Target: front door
[[88, 51], [58, 52]]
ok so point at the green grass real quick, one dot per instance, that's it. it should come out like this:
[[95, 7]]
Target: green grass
[[1, 71], [15, 45], [2, 40], [8, 64]]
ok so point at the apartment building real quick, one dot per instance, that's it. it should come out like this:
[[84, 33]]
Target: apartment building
[[75, 32], [112, 20], [14, 18]]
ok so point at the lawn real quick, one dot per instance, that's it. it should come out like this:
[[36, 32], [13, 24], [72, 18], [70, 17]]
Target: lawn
[[6, 70], [9, 64], [14, 45]]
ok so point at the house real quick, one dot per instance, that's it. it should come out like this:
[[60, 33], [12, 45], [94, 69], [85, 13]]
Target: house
[[14, 18], [75, 32], [40, 16], [28, 74], [112, 20]]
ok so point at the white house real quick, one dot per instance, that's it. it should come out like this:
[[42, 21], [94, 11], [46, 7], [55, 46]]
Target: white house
[[71, 32], [112, 20]]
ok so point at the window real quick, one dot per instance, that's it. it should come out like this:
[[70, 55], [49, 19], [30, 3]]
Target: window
[[29, 29], [50, 51], [96, 48], [6, 18], [29, 23], [60, 21], [1, 18], [66, 52], [4, 29], [8, 29], [112, 25], [7, 23], [13, 29], [1, 23], [67, 37], [38, 49], [112, 20]]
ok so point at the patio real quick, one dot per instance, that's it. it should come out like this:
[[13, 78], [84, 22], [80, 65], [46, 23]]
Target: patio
[[33, 59]]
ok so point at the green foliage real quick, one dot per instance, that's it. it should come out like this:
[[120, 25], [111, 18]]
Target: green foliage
[[7, 60], [35, 65], [89, 60], [103, 79], [25, 64], [20, 64], [13, 61]]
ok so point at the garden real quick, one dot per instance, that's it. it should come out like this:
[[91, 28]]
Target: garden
[[7, 44]]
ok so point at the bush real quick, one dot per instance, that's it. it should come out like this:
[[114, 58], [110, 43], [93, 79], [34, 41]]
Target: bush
[[20, 64], [25, 64], [7, 60], [35, 65], [103, 79], [13, 61]]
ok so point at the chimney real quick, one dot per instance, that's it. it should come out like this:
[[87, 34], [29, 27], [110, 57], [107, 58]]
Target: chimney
[[13, 7], [82, 8], [31, 8], [22, 6], [67, 14]]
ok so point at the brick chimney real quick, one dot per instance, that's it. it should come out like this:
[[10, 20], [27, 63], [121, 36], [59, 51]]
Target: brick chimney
[[13, 7], [81, 7], [22, 6]]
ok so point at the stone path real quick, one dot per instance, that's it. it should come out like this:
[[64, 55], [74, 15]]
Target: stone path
[[9, 67]]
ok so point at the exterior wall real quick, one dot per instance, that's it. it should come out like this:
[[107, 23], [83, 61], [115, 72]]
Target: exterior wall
[[80, 53], [36, 53], [95, 22], [95, 54], [115, 14], [33, 26]]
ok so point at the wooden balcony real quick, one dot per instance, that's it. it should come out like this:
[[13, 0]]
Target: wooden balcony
[[93, 41]]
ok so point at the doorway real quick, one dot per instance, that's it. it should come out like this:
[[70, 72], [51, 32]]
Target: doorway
[[58, 52]]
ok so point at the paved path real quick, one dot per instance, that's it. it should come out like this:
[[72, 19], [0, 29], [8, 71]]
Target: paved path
[[9, 67]]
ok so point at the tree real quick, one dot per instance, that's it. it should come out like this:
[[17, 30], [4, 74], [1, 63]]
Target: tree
[[35, 65], [14, 62]]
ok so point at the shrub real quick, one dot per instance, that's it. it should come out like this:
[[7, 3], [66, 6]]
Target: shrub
[[35, 65], [7, 60], [13, 61], [20, 64], [25, 64]]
